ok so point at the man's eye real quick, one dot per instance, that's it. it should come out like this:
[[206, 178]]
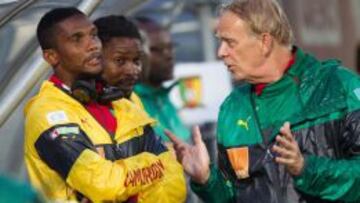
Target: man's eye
[[137, 61], [231, 43], [120, 61], [94, 34], [76, 38]]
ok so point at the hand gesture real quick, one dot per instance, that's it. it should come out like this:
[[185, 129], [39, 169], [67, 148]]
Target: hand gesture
[[288, 151], [194, 158]]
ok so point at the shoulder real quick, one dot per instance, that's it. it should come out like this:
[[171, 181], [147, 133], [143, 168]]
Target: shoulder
[[350, 85], [339, 77], [136, 100], [52, 103], [48, 108], [239, 92], [125, 108], [330, 84], [49, 97]]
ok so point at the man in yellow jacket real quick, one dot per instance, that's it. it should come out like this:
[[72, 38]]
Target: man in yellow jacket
[[79, 147]]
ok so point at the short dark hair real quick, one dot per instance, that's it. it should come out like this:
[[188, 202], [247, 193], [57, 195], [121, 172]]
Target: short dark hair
[[116, 26], [47, 25]]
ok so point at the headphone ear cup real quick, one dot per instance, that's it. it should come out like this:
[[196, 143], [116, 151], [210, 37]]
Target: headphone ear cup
[[84, 91], [110, 93]]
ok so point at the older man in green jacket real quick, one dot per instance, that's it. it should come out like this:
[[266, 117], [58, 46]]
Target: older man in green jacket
[[261, 157]]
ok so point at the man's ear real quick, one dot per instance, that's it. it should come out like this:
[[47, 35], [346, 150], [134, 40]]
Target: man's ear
[[51, 56], [267, 43]]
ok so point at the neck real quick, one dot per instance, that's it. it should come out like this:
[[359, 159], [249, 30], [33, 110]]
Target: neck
[[276, 64], [155, 85], [66, 77]]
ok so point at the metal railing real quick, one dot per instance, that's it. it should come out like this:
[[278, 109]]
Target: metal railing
[[11, 14], [37, 68]]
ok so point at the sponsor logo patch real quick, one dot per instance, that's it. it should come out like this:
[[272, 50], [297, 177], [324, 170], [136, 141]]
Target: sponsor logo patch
[[64, 130], [56, 117], [244, 123], [68, 130]]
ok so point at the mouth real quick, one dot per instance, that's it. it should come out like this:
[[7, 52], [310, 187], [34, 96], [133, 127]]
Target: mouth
[[94, 60], [128, 82], [229, 67]]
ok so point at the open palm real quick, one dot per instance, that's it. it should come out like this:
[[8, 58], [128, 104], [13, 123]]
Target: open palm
[[194, 158]]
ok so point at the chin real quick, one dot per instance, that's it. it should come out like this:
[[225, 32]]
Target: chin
[[126, 90], [94, 70], [238, 78]]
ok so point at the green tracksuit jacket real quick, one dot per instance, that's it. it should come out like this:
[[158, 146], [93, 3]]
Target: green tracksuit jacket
[[321, 100]]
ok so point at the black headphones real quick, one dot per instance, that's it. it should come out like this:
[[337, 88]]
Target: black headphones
[[86, 90]]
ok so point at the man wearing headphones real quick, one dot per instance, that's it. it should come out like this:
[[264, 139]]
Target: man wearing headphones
[[122, 54], [79, 146]]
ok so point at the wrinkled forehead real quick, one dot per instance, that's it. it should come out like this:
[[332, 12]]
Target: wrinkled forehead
[[229, 22]]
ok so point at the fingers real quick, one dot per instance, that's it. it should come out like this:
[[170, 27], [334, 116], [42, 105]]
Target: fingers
[[283, 152], [173, 137], [286, 156], [286, 132], [197, 135], [285, 161], [180, 151], [288, 151], [284, 143], [179, 146], [286, 138]]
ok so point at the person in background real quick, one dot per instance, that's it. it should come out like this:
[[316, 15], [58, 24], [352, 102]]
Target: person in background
[[82, 141], [160, 69], [291, 132]]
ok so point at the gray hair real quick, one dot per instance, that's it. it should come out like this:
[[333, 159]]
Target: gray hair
[[263, 16]]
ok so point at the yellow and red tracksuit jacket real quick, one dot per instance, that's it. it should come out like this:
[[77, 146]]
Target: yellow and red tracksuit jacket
[[69, 155]]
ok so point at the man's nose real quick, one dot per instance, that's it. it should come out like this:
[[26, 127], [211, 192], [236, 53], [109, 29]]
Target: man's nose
[[137, 68], [95, 44], [131, 68], [222, 50]]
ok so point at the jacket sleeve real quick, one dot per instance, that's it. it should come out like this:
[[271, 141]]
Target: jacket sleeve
[[216, 190], [172, 188], [336, 179], [67, 150]]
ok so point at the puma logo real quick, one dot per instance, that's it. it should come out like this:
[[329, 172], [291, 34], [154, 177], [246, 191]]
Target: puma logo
[[244, 123]]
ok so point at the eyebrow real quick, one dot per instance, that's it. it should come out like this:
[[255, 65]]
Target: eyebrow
[[76, 34], [125, 52], [81, 31]]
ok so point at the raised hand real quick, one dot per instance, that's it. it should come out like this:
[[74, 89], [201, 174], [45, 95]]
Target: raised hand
[[288, 151], [194, 158]]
